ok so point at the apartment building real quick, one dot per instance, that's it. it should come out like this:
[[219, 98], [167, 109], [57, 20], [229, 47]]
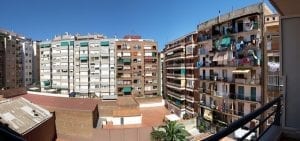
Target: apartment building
[[161, 72], [36, 62], [15, 60], [84, 64], [137, 67], [181, 76], [231, 65], [274, 82]]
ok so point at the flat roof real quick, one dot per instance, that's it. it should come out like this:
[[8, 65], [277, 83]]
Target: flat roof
[[84, 104], [21, 115]]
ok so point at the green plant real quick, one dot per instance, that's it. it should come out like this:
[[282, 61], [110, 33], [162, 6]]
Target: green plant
[[202, 127], [172, 131]]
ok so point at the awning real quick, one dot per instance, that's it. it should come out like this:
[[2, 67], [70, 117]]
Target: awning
[[104, 43], [64, 43], [172, 117], [127, 89], [225, 42], [126, 60], [84, 44], [83, 58], [208, 115], [240, 71], [46, 83], [45, 45]]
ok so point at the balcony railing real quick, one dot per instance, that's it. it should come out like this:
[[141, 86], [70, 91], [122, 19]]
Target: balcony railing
[[247, 81], [177, 95], [176, 65], [249, 117], [174, 84], [190, 98], [247, 98], [175, 74], [175, 55], [207, 91], [179, 106]]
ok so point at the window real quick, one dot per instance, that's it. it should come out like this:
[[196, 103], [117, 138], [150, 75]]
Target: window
[[253, 93]]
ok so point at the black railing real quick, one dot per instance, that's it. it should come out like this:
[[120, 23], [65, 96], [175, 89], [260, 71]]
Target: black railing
[[241, 122]]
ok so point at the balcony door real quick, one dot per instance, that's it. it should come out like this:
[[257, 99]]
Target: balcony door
[[253, 93], [240, 92]]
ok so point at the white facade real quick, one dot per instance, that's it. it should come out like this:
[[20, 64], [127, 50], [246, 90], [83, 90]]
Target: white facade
[[81, 64]]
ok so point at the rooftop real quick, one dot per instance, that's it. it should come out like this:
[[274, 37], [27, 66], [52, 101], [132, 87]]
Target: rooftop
[[63, 102], [21, 115], [12, 92]]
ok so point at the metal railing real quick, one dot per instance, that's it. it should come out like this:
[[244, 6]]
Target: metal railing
[[249, 117]]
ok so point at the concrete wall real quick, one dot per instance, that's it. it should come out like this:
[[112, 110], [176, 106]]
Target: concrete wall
[[290, 32], [133, 120]]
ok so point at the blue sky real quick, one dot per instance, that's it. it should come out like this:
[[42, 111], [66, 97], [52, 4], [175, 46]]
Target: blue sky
[[162, 20]]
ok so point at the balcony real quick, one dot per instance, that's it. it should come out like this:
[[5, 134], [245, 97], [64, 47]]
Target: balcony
[[219, 94], [178, 106], [247, 98], [275, 108], [190, 65], [189, 98], [176, 95], [247, 81], [205, 91], [175, 56], [176, 65], [175, 75], [205, 77], [190, 109], [174, 84]]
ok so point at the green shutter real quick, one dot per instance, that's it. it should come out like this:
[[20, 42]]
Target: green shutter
[[84, 44], [71, 43], [104, 43], [45, 45], [182, 71], [126, 60], [127, 89], [64, 43], [153, 54]]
